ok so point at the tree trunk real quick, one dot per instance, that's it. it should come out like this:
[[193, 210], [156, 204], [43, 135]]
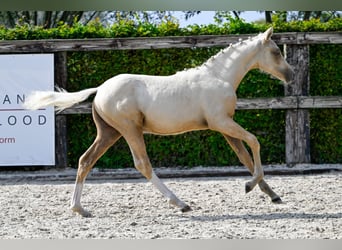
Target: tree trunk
[[10, 19], [268, 16], [307, 15], [236, 14], [48, 19]]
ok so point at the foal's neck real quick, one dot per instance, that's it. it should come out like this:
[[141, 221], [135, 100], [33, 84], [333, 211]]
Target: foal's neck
[[233, 63]]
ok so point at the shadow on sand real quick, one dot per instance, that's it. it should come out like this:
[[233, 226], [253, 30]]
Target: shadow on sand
[[270, 216]]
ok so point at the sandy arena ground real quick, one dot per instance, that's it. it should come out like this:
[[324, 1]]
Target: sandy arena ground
[[134, 209]]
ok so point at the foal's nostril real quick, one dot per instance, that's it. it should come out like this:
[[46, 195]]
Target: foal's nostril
[[289, 76]]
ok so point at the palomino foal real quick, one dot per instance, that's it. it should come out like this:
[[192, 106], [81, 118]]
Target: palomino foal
[[195, 99]]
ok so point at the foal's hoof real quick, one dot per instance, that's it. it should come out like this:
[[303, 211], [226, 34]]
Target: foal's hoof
[[248, 187], [84, 213], [186, 209], [277, 200]]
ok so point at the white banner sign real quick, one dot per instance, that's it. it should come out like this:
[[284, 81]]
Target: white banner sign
[[26, 137]]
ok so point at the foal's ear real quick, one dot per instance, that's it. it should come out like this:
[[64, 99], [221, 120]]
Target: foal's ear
[[268, 33]]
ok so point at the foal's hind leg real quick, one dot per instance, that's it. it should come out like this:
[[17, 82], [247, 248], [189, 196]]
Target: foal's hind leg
[[135, 140], [246, 159], [106, 137]]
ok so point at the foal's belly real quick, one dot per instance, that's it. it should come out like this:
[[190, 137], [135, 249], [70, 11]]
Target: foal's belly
[[174, 124]]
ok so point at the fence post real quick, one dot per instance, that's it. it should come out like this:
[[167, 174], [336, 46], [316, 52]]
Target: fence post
[[61, 79], [297, 125]]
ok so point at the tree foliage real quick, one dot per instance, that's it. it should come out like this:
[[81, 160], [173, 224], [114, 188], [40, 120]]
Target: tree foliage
[[52, 19], [323, 16], [47, 19]]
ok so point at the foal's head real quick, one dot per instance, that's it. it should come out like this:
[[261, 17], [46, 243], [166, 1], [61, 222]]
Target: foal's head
[[271, 60]]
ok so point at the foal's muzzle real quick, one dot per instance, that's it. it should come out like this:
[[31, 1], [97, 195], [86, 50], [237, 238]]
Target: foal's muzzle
[[289, 75]]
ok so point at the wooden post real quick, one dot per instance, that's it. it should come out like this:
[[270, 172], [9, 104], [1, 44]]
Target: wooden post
[[61, 79], [297, 125]]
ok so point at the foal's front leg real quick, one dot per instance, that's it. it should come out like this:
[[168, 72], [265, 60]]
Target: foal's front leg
[[246, 160], [227, 126]]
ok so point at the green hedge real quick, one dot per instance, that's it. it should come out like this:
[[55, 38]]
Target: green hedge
[[88, 69], [326, 124]]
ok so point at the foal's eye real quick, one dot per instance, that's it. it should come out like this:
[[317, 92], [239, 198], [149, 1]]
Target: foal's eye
[[276, 53]]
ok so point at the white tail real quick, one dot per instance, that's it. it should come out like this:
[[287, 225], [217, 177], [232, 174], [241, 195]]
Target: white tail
[[60, 99]]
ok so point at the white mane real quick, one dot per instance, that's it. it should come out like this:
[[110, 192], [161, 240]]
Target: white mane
[[225, 51]]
